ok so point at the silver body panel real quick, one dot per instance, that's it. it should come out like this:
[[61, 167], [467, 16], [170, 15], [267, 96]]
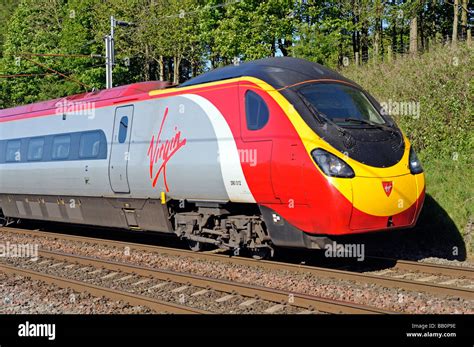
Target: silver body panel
[[195, 171], [174, 146]]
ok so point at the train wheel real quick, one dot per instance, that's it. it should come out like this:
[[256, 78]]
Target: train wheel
[[195, 246], [3, 219], [261, 253]]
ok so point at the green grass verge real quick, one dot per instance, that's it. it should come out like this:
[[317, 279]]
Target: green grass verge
[[441, 83]]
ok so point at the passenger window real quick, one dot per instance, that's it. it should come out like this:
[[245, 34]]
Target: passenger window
[[256, 111], [89, 145], [13, 151], [122, 136], [61, 147], [35, 149]]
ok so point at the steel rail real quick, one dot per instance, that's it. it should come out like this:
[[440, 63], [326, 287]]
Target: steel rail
[[112, 294], [413, 285]]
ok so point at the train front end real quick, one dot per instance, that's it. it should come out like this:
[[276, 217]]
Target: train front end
[[373, 178], [362, 198], [360, 173]]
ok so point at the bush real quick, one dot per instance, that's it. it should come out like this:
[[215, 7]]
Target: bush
[[441, 82]]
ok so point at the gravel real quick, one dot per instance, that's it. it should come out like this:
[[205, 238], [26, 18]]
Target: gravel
[[357, 292], [441, 261], [460, 282], [168, 291], [20, 295]]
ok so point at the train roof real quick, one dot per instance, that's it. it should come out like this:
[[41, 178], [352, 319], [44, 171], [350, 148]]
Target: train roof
[[96, 96], [279, 72]]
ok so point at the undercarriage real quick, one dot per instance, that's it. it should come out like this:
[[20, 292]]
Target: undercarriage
[[227, 227]]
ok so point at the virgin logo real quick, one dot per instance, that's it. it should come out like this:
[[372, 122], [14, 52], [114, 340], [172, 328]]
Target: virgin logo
[[162, 150], [387, 187]]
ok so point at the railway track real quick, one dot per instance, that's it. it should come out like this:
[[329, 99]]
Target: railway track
[[414, 276], [168, 291], [98, 291]]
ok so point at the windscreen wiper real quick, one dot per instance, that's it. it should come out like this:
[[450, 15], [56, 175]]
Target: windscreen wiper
[[324, 118], [375, 125], [380, 126], [321, 117]]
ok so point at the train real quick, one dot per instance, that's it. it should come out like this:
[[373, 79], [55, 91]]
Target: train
[[277, 152]]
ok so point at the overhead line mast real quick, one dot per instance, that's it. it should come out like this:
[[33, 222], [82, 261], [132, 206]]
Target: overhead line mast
[[110, 50]]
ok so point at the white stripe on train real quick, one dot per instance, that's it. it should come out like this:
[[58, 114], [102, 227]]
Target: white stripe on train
[[229, 158]]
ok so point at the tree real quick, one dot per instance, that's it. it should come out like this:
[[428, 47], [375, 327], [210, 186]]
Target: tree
[[178, 39], [378, 36], [7, 8], [414, 31], [34, 28], [254, 29], [77, 36], [464, 10], [414, 35], [325, 33], [455, 22]]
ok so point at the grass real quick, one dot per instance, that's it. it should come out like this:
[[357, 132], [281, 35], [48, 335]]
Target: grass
[[441, 82]]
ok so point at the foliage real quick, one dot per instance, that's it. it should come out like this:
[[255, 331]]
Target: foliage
[[177, 39], [442, 81], [7, 7]]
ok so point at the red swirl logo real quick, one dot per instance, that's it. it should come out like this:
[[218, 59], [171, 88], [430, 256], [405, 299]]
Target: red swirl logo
[[387, 187], [162, 150]]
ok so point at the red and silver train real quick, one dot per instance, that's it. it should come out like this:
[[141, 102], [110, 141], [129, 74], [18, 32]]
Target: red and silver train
[[279, 151]]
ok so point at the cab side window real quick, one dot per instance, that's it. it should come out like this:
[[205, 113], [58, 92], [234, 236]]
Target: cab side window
[[123, 129], [256, 111]]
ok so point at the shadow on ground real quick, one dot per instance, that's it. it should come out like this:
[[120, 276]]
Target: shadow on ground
[[435, 235]]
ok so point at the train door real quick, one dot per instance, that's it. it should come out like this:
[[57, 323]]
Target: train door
[[119, 155], [255, 152]]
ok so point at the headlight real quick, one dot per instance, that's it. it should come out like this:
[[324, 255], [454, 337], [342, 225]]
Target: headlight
[[414, 163], [331, 165]]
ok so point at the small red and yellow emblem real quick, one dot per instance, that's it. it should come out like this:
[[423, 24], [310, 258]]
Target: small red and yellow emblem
[[387, 187]]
